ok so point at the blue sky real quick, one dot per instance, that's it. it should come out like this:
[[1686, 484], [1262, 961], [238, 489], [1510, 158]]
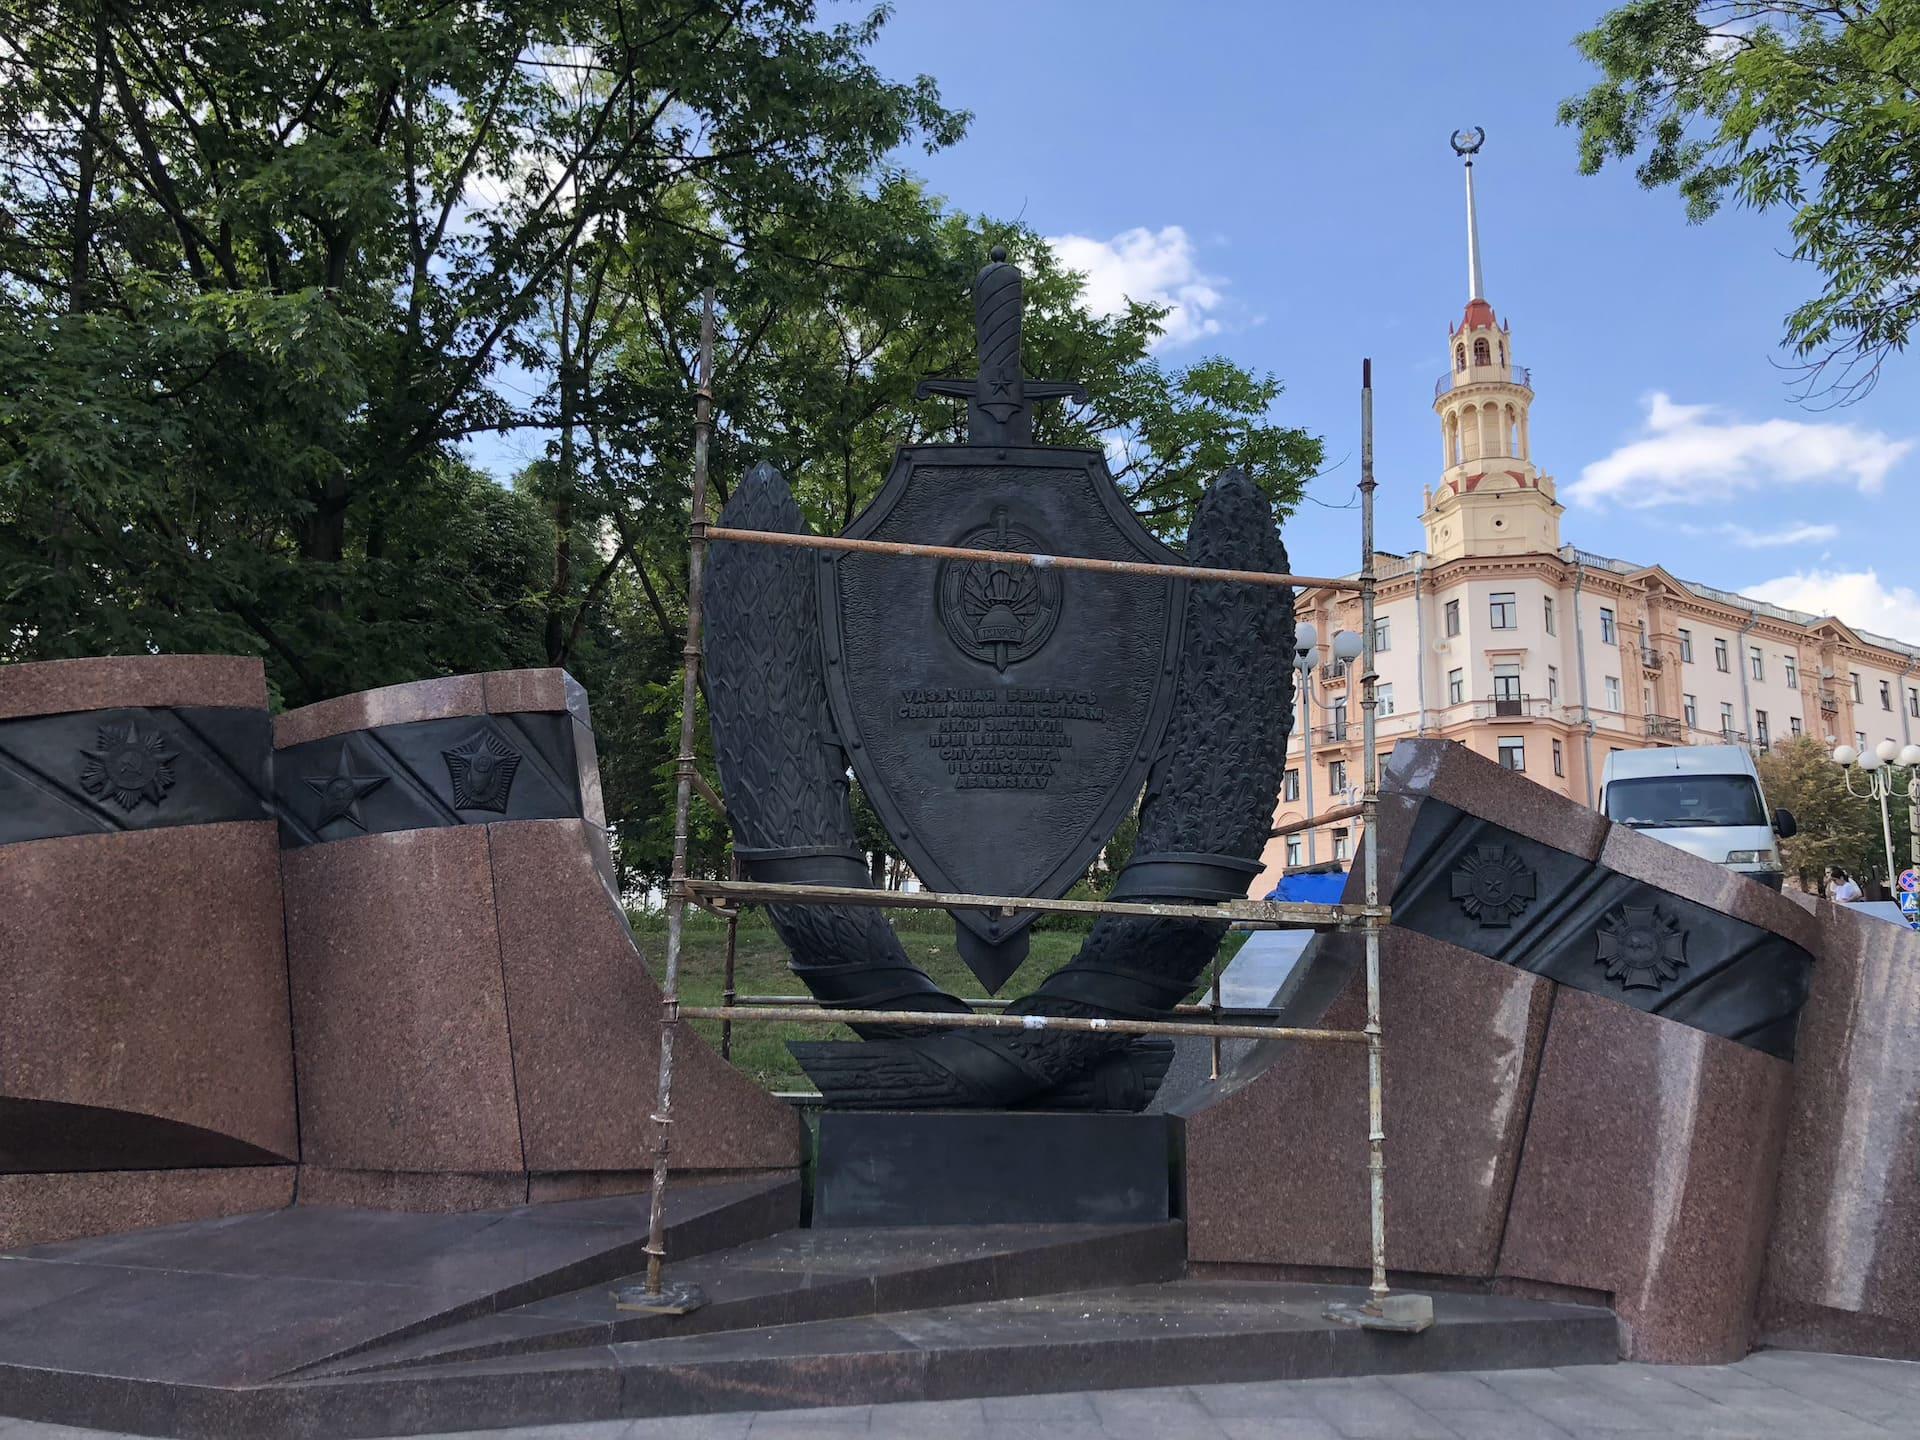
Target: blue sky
[[1282, 172]]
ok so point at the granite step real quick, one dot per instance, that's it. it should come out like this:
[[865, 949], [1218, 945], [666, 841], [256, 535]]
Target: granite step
[[1184, 1332], [803, 1276]]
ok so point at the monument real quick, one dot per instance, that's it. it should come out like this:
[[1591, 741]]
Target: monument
[[1003, 716]]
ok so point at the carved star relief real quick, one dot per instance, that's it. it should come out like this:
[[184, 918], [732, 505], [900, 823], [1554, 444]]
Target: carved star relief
[[1493, 885], [127, 767], [341, 791], [1642, 947]]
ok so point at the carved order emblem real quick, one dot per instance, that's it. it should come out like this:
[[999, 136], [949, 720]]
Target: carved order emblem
[[127, 767], [1642, 947], [482, 772], [1493, 885], [998, 614]]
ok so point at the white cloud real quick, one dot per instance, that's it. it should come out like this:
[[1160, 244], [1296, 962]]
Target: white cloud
[[1154, 266], [1856, 596], [1692, 455], [1792, 533]]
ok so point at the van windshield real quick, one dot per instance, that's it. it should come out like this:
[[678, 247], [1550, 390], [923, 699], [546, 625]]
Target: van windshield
[[1663, 801]]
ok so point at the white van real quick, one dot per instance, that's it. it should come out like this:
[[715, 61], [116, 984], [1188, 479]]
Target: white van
[[1704, 799]]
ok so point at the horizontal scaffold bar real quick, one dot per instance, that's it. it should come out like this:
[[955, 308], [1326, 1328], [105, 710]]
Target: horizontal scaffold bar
[[1230, 1012], [1022, 557], [943, 1020], [1313, 822], [1258, 914]]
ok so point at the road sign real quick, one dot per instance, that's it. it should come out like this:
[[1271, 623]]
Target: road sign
[[1910, 904], [1909, 882]]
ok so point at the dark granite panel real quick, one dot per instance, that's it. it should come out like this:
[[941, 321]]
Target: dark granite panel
[[1648, 1172], [143, 974], [990, 1167], [1276, 1155], [399, 1007], [53, 687], [1640, 857], [1470, 881], [95, 772], [47, 1135], [585, 1027], [1843, 1264], [465, 771]]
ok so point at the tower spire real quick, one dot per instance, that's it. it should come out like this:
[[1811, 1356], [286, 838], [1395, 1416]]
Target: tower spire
[[1466, 144]]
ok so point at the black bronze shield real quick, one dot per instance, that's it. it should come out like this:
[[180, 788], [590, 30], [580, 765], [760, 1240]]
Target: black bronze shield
[[1001, 717]]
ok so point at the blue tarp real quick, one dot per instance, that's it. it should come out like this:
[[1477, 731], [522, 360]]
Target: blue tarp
[[1312, 889]]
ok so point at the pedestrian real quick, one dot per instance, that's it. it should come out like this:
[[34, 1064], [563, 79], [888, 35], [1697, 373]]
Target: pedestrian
[[1845, 890]]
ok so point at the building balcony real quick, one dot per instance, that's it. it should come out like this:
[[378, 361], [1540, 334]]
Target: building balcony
[[1522, 375], [1331, 734], [1666, 727], [1830, 702]]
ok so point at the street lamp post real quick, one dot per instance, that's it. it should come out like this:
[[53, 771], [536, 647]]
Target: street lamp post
[[1306, 646], [1877, 766]]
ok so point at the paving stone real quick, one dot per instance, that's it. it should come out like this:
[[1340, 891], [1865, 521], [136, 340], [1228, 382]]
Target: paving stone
[[1370, 1411], [1252, 1400], [851, 1419], [1512, 1424], [1278, 1427], [1039, 1407], [691, 1427], [1152, 1414], [1445, 1392], [933, 1419]]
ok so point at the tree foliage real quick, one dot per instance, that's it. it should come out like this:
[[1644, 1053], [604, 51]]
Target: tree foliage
[[267, 272], [1836, 828], [1799, 105]]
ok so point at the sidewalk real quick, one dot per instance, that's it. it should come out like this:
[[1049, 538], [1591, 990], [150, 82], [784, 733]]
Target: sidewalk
[[1775, 1395]]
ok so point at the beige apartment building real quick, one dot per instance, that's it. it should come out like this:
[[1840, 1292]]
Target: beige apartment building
[[1544, 657]]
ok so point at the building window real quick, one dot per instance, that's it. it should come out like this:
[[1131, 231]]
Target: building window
[[1502, 611], [1382, 636], [1506, 682], [1609, 634], [1690, 709], [1886, 695], [1482, 353], [1456, 686], [1913, 702], [1453, 617], [1720, 656], [1549, 615], [1793, 672], [1860, 741], [1336, 776], [1855, 675], [1384, 695], [1755, 663], [1340, 844], [1559, 759], [1760, 736], [1726, 717], [1553, 682], [1290, 785], [1293, 850], [1459, 357], [1339, 726], [1513, 752], [1793, 724], [1612, 682], [1686, 647]]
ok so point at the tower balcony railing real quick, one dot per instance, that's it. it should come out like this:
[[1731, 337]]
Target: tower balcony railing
[[1522, 375]]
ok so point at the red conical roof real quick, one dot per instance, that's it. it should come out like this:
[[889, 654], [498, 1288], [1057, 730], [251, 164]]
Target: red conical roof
[[1479, 316]]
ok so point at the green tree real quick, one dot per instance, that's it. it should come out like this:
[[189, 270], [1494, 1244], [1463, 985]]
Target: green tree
[[1803, 105], [1836, 829]]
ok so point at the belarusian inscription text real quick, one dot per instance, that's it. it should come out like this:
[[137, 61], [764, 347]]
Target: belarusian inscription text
[[1002, 738]]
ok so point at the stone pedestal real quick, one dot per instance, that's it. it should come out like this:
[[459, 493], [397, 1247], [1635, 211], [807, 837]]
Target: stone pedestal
[[475, 1026], [991, 1167], [145, 1057]]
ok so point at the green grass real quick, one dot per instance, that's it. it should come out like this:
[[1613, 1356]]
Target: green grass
[[760, 968]]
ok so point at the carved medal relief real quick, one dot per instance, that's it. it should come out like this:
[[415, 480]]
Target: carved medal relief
[[129, 767], [1641, 946], [1492, 885], [481, 769], [997, 613]]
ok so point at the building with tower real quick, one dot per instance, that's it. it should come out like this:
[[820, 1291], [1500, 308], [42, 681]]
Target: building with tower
[[1544, 657]]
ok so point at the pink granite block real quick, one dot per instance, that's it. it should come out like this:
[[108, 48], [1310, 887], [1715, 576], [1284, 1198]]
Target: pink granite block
[[1652, 862], [399, 1010], [433, 1193], [511, 691], [1843, 1263], [1648, 1172], [585, 1017], [143, 1000], [451, 696], [1277, 1165], [39, 1209], [56, 687]]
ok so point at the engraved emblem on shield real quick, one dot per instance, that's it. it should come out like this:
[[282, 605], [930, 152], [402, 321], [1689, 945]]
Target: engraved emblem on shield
[[996, 612]]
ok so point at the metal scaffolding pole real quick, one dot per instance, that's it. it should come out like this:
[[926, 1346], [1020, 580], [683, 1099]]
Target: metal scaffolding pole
[[684, 1298], [1370, 853]]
